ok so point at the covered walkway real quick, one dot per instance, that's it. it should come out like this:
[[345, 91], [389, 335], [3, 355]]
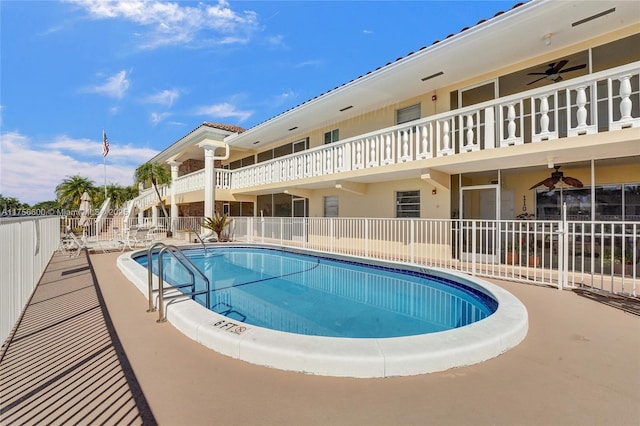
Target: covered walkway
[[86, 353]]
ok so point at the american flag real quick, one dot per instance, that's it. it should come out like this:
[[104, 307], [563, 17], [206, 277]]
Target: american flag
[[105, 144]]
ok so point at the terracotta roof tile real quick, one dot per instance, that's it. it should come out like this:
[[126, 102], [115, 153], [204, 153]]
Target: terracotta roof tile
[[227, 127]]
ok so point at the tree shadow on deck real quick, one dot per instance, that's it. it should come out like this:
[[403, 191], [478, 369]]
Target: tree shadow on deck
[[628, 304]]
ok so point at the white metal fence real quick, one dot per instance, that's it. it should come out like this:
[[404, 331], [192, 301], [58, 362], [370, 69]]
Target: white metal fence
[[599, 255], [564, 254], [26, 246]]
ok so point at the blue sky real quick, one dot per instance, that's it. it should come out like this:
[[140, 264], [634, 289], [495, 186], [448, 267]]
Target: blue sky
[[149, 72]]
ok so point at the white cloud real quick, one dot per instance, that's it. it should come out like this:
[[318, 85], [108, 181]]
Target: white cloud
[[275, 41], [283, 98], [165, 97], [114, 86], [309, 63], [171, 23], [28, 175], [224, 110], [157, 117]]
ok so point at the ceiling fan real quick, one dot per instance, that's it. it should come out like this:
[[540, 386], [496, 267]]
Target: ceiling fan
[[553, 72], [556, 177]]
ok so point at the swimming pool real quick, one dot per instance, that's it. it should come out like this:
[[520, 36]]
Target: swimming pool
[[308, 294], [354, 330]]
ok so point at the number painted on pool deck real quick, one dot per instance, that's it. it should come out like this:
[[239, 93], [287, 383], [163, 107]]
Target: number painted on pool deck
[[230, 326]]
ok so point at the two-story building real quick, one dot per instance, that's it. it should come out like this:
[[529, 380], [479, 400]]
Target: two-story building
[[517, 114]]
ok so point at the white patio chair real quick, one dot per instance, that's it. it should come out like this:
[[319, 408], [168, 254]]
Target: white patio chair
[[70, 245], [136, 235]]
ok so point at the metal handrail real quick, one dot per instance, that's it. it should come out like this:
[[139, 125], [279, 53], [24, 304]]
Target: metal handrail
[[152, 307], [200, 238], [177, 254]]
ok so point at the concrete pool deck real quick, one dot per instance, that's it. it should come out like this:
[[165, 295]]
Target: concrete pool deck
[[578, 365]]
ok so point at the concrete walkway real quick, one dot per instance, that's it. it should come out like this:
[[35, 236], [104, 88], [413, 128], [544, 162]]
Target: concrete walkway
[[579, 365], [64, 363]]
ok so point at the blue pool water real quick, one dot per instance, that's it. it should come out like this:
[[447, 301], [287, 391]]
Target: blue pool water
[[306, 294]]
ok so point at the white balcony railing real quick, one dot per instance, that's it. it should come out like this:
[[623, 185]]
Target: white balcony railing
[[604, 101], [600, 102]]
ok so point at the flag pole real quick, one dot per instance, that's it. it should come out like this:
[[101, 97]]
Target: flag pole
[[105, 151], [104, 163]]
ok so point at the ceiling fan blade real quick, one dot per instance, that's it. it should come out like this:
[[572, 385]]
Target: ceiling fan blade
[[577, 67], [549, 182], [572, 182], [535, 81], [537, 185], [557, 67], [537, 73]]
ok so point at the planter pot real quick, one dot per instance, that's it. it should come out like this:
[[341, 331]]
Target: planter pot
[[619, 268], [534, 260], [512, 258]]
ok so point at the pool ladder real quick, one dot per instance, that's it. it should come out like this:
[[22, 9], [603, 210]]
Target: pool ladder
[[182, 260]]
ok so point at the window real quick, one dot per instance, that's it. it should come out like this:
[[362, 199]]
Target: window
[[238, 208], [283, 150], [265, 155], [331, 206], [300, 145], [332, 136], [612, 203], [408, 204], [632, 202], [243, 162], [410, 113]]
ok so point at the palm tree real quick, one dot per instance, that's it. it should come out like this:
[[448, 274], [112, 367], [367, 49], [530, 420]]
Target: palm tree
[[71, 189], [120, 194], [217, 224], [11, 203], [154, 174]]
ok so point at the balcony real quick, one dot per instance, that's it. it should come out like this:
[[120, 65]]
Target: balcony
[[606, 101]]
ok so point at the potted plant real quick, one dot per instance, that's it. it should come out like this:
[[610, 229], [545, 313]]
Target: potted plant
[[529, 246], [621, 264], [218, 224], [512, 257]]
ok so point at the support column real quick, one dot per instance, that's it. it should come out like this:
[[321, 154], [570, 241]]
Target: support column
[[209, 183], [154, 216], [174, 207], [210, 173]]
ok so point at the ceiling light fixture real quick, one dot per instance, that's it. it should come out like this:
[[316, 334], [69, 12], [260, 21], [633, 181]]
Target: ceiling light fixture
[[547, 39]]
